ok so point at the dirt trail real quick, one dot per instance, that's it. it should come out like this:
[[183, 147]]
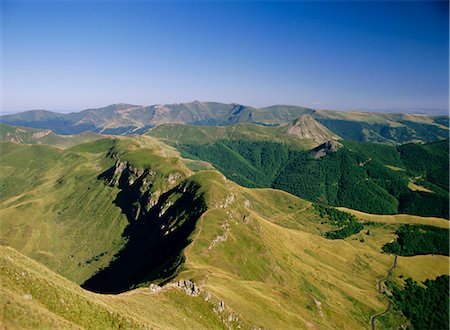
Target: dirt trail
[[379, 288]]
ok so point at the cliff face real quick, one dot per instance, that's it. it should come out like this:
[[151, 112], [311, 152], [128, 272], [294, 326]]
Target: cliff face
[[162, 211], [140, 188]]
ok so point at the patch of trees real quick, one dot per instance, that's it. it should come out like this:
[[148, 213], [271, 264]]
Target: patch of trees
[[348, 224], [419, 239], [425, 307], [430, 161]]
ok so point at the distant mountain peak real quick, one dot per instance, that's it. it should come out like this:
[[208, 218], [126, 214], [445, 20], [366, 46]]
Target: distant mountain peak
[[306, 127]]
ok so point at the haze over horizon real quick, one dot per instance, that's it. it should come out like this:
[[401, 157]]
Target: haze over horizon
[[69, 56]]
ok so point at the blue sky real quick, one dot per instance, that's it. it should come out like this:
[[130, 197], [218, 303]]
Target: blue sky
[[70, 55]]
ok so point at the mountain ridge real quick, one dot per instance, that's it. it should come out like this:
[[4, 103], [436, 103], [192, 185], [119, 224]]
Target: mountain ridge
[[122, 119]]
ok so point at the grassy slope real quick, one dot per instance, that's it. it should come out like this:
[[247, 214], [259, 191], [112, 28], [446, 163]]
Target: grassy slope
[[50, 199], [274, 264], [383, 127], [32, 296], [273, 268], [48, 194], [43, 136], [399, 218], [179, 133]]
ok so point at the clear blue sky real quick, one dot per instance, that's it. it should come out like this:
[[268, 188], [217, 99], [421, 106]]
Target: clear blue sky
[[70, 55]]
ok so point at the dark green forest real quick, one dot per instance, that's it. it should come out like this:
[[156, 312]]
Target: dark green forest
[[425, 307], [355, 176], [419, 239]]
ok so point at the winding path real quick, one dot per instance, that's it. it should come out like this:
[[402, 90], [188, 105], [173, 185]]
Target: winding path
[[374, 317]]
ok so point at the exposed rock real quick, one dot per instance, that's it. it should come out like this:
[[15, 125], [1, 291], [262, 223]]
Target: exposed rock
[[153, 288], [119, 167], [319, 306], [220, 238], [173, 178], [221, 306], [27, 296], [227, 201], [306, 127], [189, 287], [41, 134], [329, 146]]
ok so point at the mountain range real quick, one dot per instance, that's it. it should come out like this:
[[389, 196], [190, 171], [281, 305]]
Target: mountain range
[[126, 119]]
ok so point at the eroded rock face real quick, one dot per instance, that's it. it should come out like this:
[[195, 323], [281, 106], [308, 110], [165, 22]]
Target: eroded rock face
[[162, 210], [229, 318], [189, 287], [142, 186], [329, 146]]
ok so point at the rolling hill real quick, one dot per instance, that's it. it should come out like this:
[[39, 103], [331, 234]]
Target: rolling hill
[[126, 119], [43, 136], [257, 257]]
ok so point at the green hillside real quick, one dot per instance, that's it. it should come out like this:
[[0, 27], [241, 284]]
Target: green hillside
[[358, 176], [32, 296], [43, 136], [384, 127], [119, 213], [179, 133]]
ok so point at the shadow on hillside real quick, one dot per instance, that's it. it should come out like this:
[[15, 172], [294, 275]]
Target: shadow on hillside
[[155, 239]]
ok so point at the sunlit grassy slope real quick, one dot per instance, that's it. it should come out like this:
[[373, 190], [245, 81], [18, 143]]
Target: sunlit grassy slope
[[54, 209], [32, 296], [43, 136], [261, 251], [179, 133], [399, 218]]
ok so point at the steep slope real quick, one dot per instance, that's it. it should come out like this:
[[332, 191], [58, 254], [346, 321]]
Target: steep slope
[[48, 193], [32, 296]]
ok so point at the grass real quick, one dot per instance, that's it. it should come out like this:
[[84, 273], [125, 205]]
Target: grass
[[43, 136], [420, 268], [414, 187], [261, 251], [394, 168], [32, 296], [179, 133], [398, 218]]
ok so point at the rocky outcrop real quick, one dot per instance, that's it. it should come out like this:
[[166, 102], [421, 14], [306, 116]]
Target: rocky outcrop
[[142, 186], [324, 148], [189, 287], [229, 318]]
